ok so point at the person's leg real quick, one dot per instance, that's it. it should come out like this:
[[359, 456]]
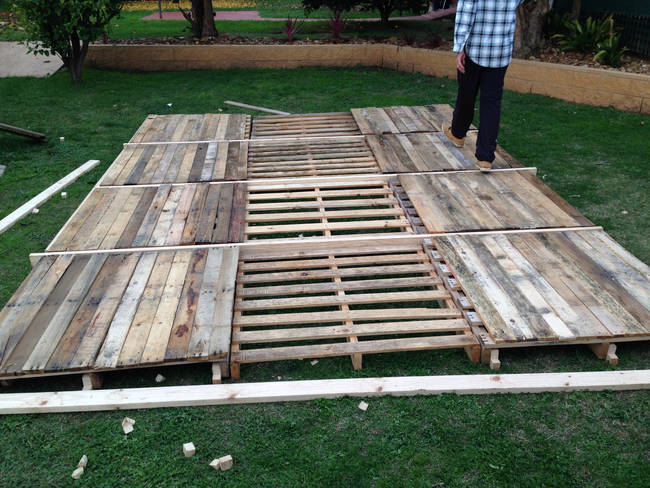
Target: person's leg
[[468, 84], [491, 84]]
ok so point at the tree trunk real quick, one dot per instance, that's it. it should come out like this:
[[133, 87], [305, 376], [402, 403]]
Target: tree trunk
[[208, 29], [575, 9], [73, 64], [530, 26]]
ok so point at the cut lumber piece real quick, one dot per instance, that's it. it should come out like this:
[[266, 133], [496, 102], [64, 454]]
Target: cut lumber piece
[[281, 391], [127, 425], [255, 107], [22, 132], [45, 195], [91, 381], [188, 449], [225, 462]]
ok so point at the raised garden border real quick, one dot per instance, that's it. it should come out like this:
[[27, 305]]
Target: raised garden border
[[591, 86]]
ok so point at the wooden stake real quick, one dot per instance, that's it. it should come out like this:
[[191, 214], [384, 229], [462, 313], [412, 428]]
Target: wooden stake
[[606, 351], [216, 373]]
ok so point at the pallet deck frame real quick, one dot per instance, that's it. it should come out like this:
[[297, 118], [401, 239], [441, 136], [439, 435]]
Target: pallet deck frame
[[303, 183]]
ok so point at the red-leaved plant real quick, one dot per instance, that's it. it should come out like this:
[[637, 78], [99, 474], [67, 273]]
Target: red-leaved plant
[[291, 27], [337, 23]]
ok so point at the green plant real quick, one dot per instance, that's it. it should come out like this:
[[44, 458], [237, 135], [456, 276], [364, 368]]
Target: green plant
[[337, 23], [291, 27], [585, 37], [65, 27], [610, 51]]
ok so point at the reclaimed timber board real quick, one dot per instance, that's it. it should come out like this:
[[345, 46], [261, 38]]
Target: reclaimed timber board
[[322, 301], [331, 124], [493, 201], [403, 119], [335, 208], [193, 127], [122, 310], [309, 157], [147, 164], [562, 286], [166, 215]]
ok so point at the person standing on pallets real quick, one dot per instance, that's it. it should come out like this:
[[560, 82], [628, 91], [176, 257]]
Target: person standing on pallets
[[483, 38]]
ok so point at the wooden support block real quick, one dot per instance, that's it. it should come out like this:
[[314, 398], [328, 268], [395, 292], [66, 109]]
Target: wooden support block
[[473, 353], [214, 464], [225, 369], [216, 374], [606, 351], [92, 381], [188, 449], [494, 359]]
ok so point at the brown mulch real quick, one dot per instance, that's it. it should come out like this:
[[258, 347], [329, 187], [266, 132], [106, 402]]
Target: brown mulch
[[550, 54]]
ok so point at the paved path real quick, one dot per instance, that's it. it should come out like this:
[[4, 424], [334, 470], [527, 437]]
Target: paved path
[[255, 15], [16, 61]]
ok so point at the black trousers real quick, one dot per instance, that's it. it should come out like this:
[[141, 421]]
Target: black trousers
[[490, 82]]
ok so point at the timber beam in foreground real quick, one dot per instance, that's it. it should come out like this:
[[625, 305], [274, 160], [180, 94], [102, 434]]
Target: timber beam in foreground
[[284, 391]]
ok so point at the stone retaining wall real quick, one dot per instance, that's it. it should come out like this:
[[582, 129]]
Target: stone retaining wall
[[627, 91]]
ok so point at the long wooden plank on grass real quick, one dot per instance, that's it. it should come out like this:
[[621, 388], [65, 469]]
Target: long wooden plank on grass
[[342, 331], [45, 195], [284, 391]]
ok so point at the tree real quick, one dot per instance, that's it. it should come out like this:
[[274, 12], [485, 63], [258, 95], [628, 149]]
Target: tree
[[385, 7], [201, 19], [531, 16], [66, 27]]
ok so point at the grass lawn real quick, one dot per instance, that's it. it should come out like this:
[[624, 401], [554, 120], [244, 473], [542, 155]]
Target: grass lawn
[[596, 158]]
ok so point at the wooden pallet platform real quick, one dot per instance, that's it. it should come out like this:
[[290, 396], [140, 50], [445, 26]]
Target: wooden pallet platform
[[165, 215], [331, 124], [146, 164], [310, 157], [468, 201], [310, 236], [403, 119], [559, 286], [193, 127], [350, 302], [100, 312], [325, 208]]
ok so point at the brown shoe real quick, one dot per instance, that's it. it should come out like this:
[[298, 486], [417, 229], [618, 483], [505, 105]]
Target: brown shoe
[[454, 140], [484, 166]]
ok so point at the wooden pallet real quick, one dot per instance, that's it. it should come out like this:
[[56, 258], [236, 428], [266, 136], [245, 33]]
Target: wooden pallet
[[402, 119], [165, 215], [106, 311], [349, 302], [310, 157], [566, 287], [331, 124], [146, 164], [324, 208], [469, 201], [193, 127]]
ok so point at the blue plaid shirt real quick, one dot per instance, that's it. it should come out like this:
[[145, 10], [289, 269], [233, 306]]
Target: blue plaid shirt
[[486, 30]]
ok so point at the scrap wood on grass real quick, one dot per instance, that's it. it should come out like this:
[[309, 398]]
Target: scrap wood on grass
[[229, 394]]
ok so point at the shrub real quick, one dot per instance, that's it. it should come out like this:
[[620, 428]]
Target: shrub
[[585, 37], [291, 27], [610, 51], [337, 23]]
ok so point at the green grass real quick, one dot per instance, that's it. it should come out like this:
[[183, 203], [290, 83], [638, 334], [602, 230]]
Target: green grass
[[594, 157]]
